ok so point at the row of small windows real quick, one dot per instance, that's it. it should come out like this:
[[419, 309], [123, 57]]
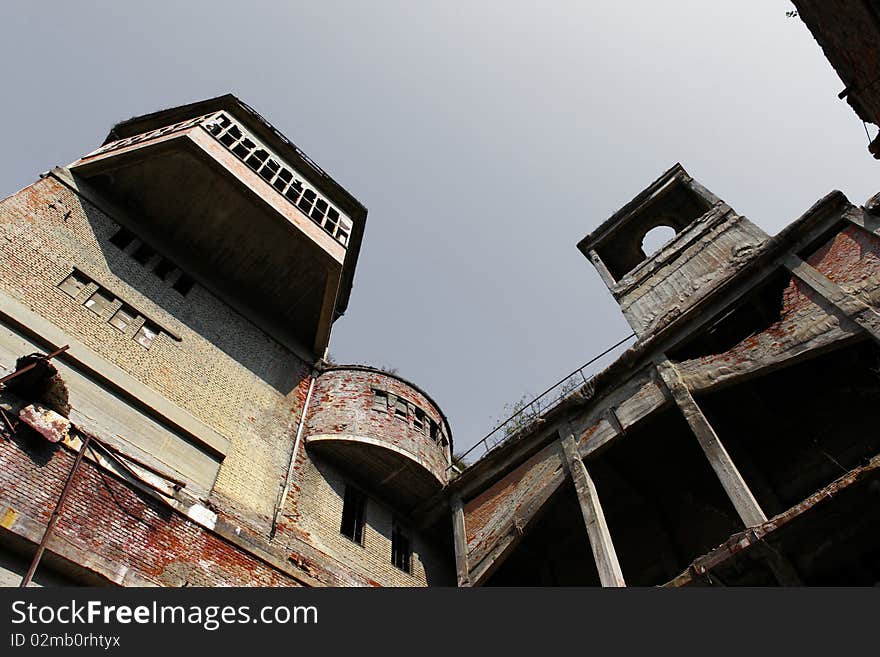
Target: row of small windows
[[354, 513], [406, 411], [101, 302], [143, 254], [271, 169]]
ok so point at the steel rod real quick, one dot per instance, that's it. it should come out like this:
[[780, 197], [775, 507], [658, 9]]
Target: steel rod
[[55, 514]]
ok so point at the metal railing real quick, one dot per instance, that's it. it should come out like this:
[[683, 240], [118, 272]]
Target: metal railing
[[526, 413]]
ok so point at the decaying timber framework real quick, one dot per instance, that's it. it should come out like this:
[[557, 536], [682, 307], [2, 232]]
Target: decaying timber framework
[[735, 443]]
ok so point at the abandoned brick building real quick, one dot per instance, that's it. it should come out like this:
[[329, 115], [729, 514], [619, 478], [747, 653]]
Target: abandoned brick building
[[735, 443], [184, 278], [165, 306]]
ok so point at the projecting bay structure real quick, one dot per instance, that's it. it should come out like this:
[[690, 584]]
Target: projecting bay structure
[[183, 280], [735, 443]]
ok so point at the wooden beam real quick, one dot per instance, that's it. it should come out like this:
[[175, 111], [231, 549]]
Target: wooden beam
[[866, 221], [852, 307], [600, 266], [594, 518], [484, 565], [743, 501], [460, 539]]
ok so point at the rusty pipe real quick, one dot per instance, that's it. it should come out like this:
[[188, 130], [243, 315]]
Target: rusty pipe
[[55, 514], [28, 368]]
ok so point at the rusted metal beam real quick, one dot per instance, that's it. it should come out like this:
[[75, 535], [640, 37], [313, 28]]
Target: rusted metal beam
[[734, 485], [28, 368], [601, 544], [56, 513]]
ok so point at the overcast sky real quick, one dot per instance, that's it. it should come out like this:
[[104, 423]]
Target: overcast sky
[[486, 138]]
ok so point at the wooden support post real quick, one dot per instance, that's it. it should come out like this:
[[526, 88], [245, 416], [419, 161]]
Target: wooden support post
[[854, 308], [594, 518], [604, 274], [743, 501], [460, 539]]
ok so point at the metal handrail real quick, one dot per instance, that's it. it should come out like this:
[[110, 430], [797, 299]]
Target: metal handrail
[[535, 405]]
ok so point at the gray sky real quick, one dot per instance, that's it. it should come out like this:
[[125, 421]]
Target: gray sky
[[486, 138]]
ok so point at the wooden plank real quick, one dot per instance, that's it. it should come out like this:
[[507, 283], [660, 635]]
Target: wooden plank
[[460, 539], [601, 544], [743, 501], [604, 274], [853, 308], [867, 222]]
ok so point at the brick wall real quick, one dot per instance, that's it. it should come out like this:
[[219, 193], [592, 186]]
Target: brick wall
[[342, 402], [109, 522], [224, 371], [319, 504]]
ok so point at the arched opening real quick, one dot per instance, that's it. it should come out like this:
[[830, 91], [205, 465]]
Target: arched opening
[[655, 238]]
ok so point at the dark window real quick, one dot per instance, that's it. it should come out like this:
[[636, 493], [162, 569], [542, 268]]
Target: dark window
[[293, 192], [283, 180], [143, 253], [183, 284], [354, 508], [419, 420], [146, 335], [74, 284], [307, 200], [99, 302], [122, 238], [400, 409], [401, 547], [380, 400], [163, 268], [123, 318]]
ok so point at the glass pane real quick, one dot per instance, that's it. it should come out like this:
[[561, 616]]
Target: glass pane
[[98, 302], [145, 336], [121, 319]]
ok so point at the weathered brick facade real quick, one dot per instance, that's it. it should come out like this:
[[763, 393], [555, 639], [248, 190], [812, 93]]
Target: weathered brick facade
[[195, 432], [114, 534], [344, 406], [224, 371]]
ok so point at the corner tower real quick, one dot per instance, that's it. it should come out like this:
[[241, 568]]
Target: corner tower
[[710, 243]]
